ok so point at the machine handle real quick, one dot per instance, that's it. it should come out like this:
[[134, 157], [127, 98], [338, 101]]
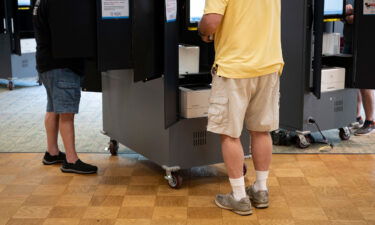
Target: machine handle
[[12, 28], [5, 26], [318, 47]]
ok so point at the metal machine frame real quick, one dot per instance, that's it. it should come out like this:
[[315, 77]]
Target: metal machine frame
[[16, 24]]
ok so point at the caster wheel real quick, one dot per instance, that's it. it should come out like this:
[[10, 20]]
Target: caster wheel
[[176, 181], [244, 169], [113, 147], [39, 82], [302, 142], [10, 85], [344, 134]]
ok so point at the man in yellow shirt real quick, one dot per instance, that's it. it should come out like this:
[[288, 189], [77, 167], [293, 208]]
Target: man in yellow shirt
[[245, 89]]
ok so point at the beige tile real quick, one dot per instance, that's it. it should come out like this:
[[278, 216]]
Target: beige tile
[[4, 221], [146, 180], [342, 213], [133, 222], [169, 222], [205, 222], [288, 172], [312, 222], [308, 213], [118, 180], [204, 213], [50, 190], [141, 190], [122, 171], [292, 181], [38, 200], [80, 190], [67, 212], [136, 212], [274, 213], [201, 201], [348, 222], [74, 200], [97, 222], [12, 200], [114, 190], [161, 213], [8, 211], [25, 222], [62, 221], [101, 213], [114, 201], [17, 190], [7, 179], [56, 180], [37, 212], [171, 201], [276, 222], [139, 201], [322, 181], [368, 213]]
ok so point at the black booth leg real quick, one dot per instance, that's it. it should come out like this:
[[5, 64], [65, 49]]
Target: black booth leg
[[113, 147], [10, 85]]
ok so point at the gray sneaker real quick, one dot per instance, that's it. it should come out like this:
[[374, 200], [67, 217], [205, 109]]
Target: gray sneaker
[[242, 207], [367, 128], [259, 199]]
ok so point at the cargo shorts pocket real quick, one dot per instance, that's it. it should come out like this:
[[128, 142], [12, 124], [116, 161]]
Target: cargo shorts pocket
[[218, 110], [69, 92]]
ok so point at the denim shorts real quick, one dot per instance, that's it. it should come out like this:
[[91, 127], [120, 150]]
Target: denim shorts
[[63, 88]]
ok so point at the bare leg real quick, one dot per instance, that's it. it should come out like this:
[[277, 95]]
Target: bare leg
[[359, 104], [261, 148], [233, 156], [51, 123], [368, 103], [68, 137]]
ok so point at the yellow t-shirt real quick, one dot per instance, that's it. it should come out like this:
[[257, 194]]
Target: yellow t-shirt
[[248, 41]]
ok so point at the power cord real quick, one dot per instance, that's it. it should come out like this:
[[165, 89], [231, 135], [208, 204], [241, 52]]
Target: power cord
[[325, 140]]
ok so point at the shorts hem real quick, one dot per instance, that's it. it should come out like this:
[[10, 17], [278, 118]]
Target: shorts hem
[[221, 130], [260, 129]]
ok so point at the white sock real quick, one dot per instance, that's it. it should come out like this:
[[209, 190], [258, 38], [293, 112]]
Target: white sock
[[238, 187], [261, 181]]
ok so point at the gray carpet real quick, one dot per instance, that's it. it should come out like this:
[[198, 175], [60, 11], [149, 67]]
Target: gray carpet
[[22, 129]]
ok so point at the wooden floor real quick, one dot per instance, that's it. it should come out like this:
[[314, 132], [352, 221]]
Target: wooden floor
[[304, 190]]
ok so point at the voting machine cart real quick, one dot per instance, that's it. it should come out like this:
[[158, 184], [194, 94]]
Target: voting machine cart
[[317, 86], [17, 43]]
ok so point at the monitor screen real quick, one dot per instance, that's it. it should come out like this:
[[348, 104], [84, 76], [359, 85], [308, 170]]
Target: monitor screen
[[24, 2], [333, 7], [196, 10]]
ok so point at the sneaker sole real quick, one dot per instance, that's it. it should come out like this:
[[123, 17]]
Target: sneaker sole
[[45, 162], [242, 213], [261, 206], [76, 171], [365, 133]]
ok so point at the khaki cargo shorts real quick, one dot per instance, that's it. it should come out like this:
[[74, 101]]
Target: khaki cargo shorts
[[254, 101]]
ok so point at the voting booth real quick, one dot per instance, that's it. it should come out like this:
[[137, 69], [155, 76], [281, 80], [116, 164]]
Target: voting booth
[[17, 43], [319, 82], [154, 72]]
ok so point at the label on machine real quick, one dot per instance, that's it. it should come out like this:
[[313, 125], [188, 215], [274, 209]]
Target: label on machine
[[115, 9], [171, 10], [368, 7]]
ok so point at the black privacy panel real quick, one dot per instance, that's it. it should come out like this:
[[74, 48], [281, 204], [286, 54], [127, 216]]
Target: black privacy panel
[[114, 41], [171, 101], [92, 79], [364, 48], [73, 28], [148, 34]]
